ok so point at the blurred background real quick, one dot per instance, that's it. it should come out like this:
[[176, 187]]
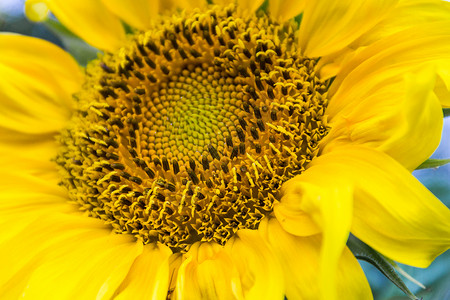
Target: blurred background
[[436, 278]]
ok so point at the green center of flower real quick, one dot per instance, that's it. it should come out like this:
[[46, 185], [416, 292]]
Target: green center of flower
[[187, 133]]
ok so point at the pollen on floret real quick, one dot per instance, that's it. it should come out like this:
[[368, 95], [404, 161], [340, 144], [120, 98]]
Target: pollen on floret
[[187, 133]]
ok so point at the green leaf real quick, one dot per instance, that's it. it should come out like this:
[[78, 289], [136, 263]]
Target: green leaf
[[446, 112], [433, 163], [366, 253]]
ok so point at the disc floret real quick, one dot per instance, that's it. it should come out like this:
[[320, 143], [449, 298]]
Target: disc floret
[[188, 132]]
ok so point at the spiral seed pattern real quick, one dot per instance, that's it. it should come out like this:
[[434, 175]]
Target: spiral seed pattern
[[187, 133]]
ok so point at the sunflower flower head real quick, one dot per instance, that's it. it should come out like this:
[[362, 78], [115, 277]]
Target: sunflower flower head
[[188, 132], [221, 150]]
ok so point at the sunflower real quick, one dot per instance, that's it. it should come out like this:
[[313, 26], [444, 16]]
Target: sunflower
[[220, 150]]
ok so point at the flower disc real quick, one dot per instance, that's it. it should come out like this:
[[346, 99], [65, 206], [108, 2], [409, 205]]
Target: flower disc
[[188, 131]]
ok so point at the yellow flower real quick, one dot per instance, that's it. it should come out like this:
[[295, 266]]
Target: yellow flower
[[219, 152]]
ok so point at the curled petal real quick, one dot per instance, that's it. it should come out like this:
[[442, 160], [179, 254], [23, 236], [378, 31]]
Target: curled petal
[[300, 259], [393, 212], [328, 201]]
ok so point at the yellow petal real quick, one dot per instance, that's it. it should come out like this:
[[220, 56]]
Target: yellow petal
[[38, 79], [89, 19], [244, 6], [329, 201], [221, 2], [25, 177], [137, 13], [260, 272], [351, 279], [393, 111], [300, 259], [208, 273], [283, 10], [175, 261], [393, 212], [330, 25], [398, 53], [24, 198], [330, 65], [170, 5], [37, 103], [248, 6], [36, 10], [29, 186], [442, 88], [30, 159], [29, 205], [293, 219], [407, 14], [149, 275], [65, 257], [28, 209], [20, 182]]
